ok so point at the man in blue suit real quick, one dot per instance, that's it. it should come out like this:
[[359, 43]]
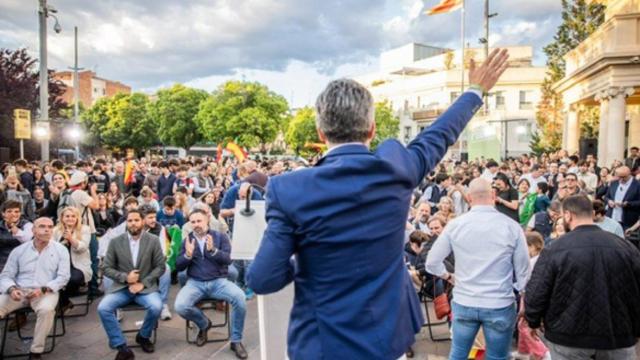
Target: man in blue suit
[[623, 198], [344, 220]]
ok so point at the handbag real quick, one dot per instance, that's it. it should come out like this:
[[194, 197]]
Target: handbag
[[441, 303]]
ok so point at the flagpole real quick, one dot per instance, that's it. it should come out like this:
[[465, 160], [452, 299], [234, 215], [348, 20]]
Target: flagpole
[[461, 69]]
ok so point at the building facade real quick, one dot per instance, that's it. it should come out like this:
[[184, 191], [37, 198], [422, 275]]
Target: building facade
[[91, 87], [420, 82], [604, 71]]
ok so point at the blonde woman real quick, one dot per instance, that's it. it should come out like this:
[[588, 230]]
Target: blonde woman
[[75, 237], [446, 209]]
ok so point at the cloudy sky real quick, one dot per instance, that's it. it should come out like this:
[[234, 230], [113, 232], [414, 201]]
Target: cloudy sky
[[294, 46]]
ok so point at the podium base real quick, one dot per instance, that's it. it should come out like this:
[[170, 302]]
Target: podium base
[[273, 318]]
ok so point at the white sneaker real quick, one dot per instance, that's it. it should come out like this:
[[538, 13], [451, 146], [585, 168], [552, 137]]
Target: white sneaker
[[547, 356], [518, 356], [119, 315], [165, 314]]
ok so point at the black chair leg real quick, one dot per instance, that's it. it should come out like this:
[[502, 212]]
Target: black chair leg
[[430, 325]]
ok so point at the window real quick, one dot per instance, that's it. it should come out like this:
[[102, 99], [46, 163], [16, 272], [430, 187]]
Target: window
[[500, 100], [454, 96], [525, 100], [407, 134]]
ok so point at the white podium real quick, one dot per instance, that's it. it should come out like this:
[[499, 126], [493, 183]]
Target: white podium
[[273, 310]]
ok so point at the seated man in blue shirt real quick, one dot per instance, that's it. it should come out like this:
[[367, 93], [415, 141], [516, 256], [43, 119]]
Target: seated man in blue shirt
[[206, 254]]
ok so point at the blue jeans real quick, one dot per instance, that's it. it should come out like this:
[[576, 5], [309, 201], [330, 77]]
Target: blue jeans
[[107, 312], [232, 276], [242, 269], [497, 324], [164, 284], [93, 253], [221, 289]]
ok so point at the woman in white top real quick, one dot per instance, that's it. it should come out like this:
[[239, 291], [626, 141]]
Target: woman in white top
[[75, 237]]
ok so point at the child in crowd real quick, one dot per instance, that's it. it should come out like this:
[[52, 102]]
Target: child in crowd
[[530, 348], [169, 215], [542, 200]]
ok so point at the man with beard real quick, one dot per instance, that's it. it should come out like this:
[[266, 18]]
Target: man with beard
[[152, 226], [134, 262], [421, 221], [205, 254]]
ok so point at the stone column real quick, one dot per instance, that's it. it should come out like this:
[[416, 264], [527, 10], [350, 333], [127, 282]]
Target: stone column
[[603, 99], [634, 125], [572, 131], [616, 118]]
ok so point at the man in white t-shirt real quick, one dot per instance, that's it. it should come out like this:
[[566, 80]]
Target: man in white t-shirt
[[534, 177]]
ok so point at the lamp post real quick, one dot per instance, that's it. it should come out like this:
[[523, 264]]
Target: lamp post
[[45, 11]]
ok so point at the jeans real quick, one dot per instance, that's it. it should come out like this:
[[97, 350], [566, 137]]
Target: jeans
[[221, 289], [107, 312], [497, 324], [231, 276], [164, 284], [241, 268], [93, 253]]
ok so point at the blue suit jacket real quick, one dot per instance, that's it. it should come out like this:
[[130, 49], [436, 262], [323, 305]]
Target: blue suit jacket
[[344, 219], [631, 212]]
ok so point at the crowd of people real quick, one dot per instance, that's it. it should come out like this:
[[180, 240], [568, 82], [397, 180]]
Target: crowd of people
[[126, 231]]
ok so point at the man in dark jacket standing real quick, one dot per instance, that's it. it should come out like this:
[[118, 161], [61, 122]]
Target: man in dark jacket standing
[[584, 290]]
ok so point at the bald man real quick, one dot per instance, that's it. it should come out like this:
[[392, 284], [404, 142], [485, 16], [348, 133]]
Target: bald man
[[33, 276], [489, 248], [623, 198], [255, 177]]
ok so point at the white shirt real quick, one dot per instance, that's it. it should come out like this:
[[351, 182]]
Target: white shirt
[[489, 248], [533, 182], [134, 246], [201, 242], [621, 192], [28, 268]]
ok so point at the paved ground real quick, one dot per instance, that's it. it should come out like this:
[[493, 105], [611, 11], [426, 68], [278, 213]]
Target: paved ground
[[85, 339]]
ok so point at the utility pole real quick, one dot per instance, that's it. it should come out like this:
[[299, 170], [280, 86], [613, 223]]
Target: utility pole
[[485, 41], [76, 89], [44, 80]]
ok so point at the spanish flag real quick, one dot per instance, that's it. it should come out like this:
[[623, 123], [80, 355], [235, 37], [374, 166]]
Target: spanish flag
[[128, 172], [219, 153], [237, 151], [445, 6]]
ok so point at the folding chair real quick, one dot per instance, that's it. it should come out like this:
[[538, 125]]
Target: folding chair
[[133, 307], [210, 304], [426, 298], [25, 311]]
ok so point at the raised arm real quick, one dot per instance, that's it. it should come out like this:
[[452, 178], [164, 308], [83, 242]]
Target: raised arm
[[428, 148]]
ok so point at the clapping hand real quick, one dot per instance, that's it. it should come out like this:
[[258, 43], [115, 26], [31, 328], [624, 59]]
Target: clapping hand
[[189, 245], [210, 246], [487, 74]]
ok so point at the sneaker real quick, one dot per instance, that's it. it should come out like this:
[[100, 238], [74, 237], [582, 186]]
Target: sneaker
[[119, 315], [547, 356], [145, 344], [409, 354], [239, 350], [516, 355], [165, 314], [202, 337], [249, 294]]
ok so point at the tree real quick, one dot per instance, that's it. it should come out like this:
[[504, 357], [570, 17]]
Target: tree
[[387, 124], [19, 89], [248, 113], [580, 18], [95, 118], [302, 130], [174, 112]]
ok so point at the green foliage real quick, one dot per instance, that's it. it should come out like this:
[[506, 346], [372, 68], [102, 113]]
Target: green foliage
[[302, 130], [580, 18], [174, 112], [387, 124], [121, 122], [249, 113], [589, 122]]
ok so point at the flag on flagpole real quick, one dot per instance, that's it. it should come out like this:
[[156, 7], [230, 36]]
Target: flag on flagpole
[[237, 151], [445, 6]]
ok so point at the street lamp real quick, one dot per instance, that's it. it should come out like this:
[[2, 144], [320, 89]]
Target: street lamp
[[75, 134], [44, 12], [41, 132], [521, 130]]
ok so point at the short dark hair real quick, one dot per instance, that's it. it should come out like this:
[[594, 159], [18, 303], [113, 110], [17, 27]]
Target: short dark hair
[[135, 211], [20, 162], [58, 164], [163, 164], [169, 201], [574, 158], [543, 186], [579, 205], [583, 163], [418, 237], [440, 177], [130, 199], [491, 163], [147, 209], [11, 204], [634, 148], [573, 175], [598, 207]]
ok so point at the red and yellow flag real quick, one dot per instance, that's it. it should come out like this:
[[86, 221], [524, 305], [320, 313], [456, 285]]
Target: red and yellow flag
[[128, 172], [219, 153], [237, 151], [445, 6]]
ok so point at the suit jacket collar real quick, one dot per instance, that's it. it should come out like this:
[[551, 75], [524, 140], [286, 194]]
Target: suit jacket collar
[[348, 149], [141, 250], [631, 183]]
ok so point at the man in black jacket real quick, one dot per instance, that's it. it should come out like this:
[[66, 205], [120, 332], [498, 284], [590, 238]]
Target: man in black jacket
[[584, 290]]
